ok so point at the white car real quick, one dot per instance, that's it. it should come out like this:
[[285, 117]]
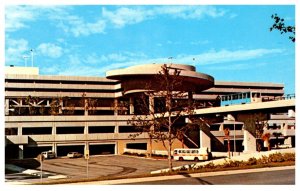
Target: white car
[[48, 154], [74, 155]]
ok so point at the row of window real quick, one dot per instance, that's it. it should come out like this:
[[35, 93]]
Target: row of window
[[70, 130], [60, 82]]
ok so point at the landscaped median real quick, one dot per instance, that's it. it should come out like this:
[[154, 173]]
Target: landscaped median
[[282, 157]]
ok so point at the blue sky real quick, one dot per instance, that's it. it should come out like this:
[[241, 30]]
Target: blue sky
[[229, 42]]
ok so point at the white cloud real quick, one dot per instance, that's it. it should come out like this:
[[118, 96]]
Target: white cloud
[[113, 57], [16, 17], [190, 12], [231, 56], [240, 66], [78, 26], [208, 58], [96, 64], [125, 15], [15, 50], [50, 50]]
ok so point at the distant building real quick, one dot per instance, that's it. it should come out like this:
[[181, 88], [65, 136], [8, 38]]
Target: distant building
[[72, 113]]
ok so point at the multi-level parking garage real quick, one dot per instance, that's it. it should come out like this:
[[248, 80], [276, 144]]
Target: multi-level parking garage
[[72, 113]]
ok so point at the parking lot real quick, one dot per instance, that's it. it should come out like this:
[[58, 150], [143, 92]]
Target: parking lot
[[105, 166]]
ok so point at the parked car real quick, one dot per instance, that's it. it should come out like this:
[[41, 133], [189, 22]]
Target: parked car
[[195, 154], [74, 155], [48, 154]]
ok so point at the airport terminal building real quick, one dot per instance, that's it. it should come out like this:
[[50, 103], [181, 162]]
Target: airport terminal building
[[74, 113]]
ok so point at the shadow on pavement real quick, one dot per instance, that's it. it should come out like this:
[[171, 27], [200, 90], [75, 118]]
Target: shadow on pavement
[[201, 181]]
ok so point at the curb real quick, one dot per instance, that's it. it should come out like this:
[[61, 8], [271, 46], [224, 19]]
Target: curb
[[172, 177]]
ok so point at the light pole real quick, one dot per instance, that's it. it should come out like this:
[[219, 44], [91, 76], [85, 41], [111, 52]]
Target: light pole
[[25, 58], [31, 57]]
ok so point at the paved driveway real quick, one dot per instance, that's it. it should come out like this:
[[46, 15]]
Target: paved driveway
[[102, 166]]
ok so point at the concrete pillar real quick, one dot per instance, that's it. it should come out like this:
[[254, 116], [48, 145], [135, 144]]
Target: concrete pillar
[[204, 140], [86, 111], [7, 107], [19, 130], [86, 146], [21, 149], [86, 128], [115, 106], [288, 141], [116, 128], [151, 104], [249, 142], [116, 149], [54, 148], [291, 113], [61, 104], [53, 129], [131, 106]]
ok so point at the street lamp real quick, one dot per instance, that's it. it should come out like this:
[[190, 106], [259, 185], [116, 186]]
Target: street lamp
[[231, 118], [25, 58]]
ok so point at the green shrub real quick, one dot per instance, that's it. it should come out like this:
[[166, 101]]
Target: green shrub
[[252, 161], [289, 156], [277, 157], [263, 160], [210, 165]]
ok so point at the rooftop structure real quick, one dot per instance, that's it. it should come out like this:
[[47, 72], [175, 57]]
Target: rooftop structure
[[135, 78]]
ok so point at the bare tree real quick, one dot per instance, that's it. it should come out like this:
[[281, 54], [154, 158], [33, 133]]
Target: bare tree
[[55, 106], [31, 102], [89, 104], [266, 138], [163, 106]]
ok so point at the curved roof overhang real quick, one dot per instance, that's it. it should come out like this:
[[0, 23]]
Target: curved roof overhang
[[135, 78]]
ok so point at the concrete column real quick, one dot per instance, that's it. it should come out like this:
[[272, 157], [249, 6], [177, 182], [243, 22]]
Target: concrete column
[[86, 128], [21, 149], [249, 142], [54, 148], [204, 140], [151, 104], [6, 106], [131, 106], [116, 128], [19, 130], [53, 129], [86, 146], [86, 112], [61, 104], [291, 113], [288, 141], [116, 149], [115, 106]]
